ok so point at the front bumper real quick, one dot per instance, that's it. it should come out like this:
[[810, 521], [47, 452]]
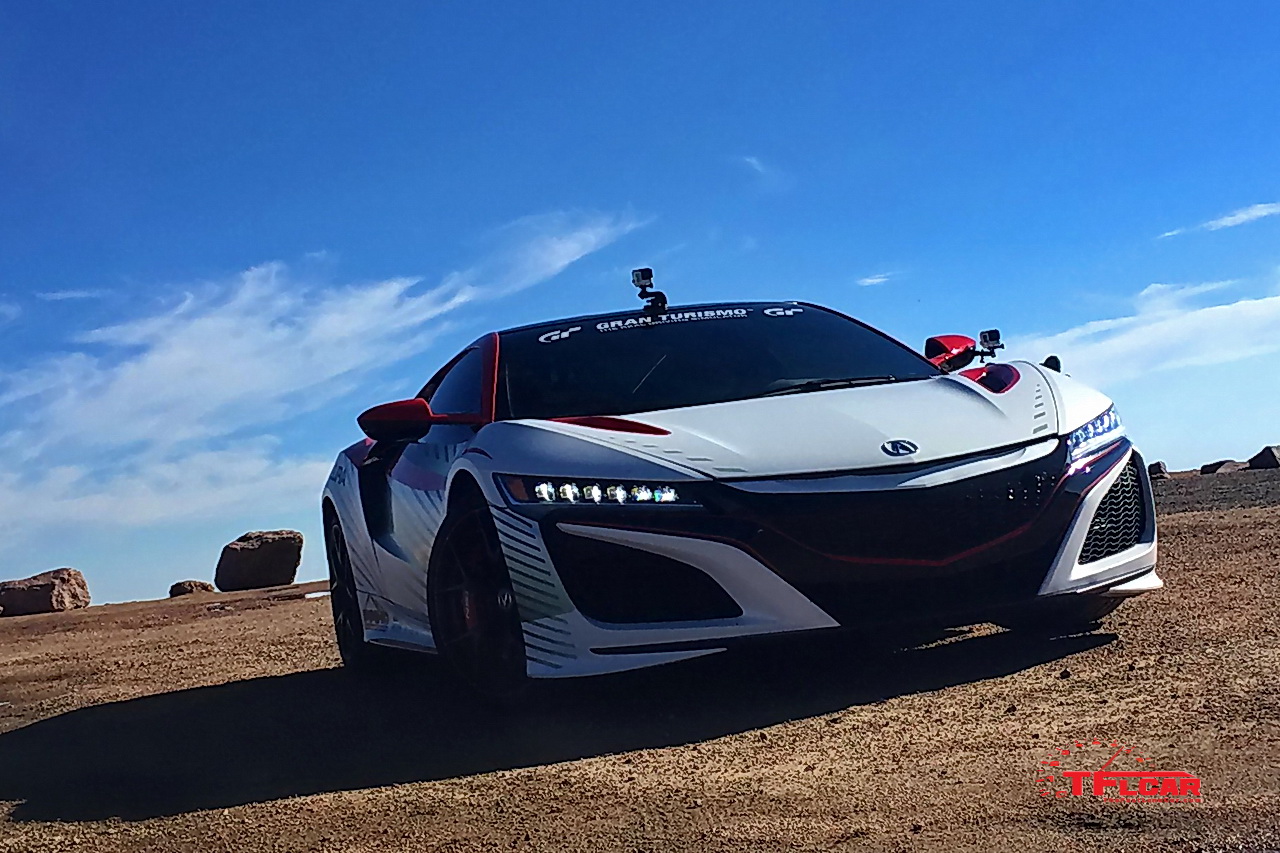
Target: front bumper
[[846, 551]]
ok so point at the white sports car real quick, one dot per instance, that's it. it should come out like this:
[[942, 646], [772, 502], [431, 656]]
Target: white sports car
[[618, 491]]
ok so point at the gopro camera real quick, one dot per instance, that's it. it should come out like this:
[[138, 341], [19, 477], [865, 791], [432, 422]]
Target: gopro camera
[[990, 339], [655, 301]]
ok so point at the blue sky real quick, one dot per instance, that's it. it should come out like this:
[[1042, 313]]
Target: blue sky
[[227, 229]]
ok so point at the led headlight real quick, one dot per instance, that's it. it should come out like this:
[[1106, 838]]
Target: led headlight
[[563, 492], [1096, 434]]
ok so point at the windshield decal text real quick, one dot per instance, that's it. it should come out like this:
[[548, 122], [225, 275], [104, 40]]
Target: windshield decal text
[[672, 317]]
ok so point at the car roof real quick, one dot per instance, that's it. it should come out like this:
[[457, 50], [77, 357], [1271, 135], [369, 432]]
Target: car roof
[[639, 310]]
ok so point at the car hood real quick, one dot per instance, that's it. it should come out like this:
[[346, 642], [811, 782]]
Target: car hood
[[843, 429]]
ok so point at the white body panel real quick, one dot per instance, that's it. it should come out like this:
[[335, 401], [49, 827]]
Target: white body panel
[[962, 430], [1068, 574], [842, 429]]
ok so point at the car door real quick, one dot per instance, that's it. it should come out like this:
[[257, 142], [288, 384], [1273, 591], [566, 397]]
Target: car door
[[418, 478]]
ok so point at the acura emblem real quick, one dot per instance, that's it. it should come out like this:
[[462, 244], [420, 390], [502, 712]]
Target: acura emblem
[[899, 447]]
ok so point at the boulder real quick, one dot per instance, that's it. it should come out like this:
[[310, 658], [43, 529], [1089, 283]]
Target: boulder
[[1267, 457], [1158, 471], [188, 587], [259, 559], [47, 592], [1223, 466]]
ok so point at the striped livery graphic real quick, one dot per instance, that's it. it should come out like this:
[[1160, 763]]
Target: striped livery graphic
[[540, 597]]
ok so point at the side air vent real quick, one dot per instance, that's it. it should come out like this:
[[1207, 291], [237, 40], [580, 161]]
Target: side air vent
[[1120, 519], [614, 583]]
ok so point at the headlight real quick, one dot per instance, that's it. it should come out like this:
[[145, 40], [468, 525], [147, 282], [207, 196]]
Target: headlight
[[1096, 434], [561, 492]]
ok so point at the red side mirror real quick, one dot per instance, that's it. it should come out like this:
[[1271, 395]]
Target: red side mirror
[[403, 420], [950, 352]]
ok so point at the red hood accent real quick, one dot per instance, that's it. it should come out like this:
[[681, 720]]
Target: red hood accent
[[615, 424], [996, 378]]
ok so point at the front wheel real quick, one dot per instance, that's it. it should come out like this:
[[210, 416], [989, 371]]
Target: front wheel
[[1075, 615], [472, 605]]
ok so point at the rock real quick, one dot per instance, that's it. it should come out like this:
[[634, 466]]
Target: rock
[[188, 587], [259, 559], [1158, 471], [47, 592], [1267, 457], [1223, 466]]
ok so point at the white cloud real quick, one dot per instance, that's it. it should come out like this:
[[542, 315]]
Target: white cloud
[[1167, 332], [872, 280], [9, 312], [1245, 214], [767, 176], [535, 248], [197, 485], [63, 295], [170, 414], [263, 347], [1237, 217], [1155, 298]]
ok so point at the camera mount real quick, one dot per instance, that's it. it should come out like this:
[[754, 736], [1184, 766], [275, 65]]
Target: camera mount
[[655, 300]]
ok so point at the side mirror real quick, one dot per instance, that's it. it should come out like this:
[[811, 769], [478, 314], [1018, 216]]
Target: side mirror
[[403, 420], [950, 352]]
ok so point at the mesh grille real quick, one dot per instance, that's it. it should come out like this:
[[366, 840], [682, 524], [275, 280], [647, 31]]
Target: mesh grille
[[1120, 518], [933, 523]]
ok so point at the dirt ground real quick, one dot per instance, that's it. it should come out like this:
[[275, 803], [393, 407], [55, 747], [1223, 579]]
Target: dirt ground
[[220, 722]]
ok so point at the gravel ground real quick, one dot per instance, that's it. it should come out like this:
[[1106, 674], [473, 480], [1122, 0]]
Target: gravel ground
[[1189, 491], [219, 722]]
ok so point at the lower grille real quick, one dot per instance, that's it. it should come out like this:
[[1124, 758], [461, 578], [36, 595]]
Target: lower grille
[[614, 583], [1120, 519]]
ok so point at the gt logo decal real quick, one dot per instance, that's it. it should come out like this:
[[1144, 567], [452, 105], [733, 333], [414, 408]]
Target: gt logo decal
[[557, 335], [782, 312]]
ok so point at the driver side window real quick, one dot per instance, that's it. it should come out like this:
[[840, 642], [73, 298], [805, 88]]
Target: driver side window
[[459, 390]]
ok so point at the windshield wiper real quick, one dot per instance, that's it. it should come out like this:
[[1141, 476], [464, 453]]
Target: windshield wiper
[[825, 384]]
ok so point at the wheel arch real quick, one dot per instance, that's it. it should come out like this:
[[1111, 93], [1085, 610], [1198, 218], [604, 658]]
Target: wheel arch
[[464, 488]]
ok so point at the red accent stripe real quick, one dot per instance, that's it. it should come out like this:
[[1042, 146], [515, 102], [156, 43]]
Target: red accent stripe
[[615, 424], [489, 398]]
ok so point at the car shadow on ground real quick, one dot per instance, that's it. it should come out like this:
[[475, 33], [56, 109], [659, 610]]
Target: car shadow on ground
[[322, 731]]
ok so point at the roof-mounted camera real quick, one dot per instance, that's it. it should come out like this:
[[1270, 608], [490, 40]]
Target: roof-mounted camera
[[655, 300], [988, 342]]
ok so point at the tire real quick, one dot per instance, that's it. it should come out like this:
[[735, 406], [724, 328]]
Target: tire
[[348, 628], [472, 605], [1078, 615]]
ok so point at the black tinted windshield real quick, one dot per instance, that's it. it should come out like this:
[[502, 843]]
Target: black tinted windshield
[[689, 357]]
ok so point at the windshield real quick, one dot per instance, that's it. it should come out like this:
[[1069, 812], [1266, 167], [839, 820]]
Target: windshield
[[636, 363]]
